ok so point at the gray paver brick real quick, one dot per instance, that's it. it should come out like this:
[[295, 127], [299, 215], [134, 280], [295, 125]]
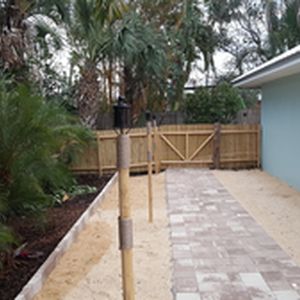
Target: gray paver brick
[[188, 296], [287, 295], [219, 251]]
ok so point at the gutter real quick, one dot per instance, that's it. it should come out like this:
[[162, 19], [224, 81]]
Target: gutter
[[281, 66]]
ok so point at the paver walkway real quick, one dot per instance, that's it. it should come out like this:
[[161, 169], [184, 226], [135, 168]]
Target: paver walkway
[[219, 251]]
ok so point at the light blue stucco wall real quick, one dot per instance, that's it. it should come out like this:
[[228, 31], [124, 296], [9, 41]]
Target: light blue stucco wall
[[281, 129]]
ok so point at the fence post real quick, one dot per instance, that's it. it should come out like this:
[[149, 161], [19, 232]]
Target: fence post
[[216, 146], [99, 154], [258, 141], [156, 146]]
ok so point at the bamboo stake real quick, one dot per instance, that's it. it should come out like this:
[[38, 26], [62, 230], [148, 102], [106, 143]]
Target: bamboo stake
[[125, 222], [156, 147], [149, 159], [99, 155]]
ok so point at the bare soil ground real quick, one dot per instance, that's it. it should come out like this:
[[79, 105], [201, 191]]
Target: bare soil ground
[[91, 267], [272, 203], [43, 238]]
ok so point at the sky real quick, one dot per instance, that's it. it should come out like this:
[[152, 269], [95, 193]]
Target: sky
[[221, 60]]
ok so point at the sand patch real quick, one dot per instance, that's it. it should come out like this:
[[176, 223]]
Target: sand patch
[[91, 268], [79, 261], [272, 203]]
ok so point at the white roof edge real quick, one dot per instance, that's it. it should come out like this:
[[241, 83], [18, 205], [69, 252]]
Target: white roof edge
[[257, 75]]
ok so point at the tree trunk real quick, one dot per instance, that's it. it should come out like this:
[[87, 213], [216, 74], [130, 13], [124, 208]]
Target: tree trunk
[[12, 38], [110, 82], [134, 95], [88, 97]]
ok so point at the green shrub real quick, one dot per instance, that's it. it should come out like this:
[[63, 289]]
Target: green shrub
[[211, 105], [36, 140], [6, 241]]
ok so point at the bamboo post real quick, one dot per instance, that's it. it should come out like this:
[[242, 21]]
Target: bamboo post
[[99, 155], [156, 146], [149, 160], [125, 222], [216, 146], [122, 121]]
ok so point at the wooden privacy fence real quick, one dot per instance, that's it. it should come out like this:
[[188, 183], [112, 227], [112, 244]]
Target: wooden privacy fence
[[209, 146]]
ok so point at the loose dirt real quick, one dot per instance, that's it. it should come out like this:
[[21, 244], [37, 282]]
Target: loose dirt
[[91, 267], [272, 203], [42, 237]]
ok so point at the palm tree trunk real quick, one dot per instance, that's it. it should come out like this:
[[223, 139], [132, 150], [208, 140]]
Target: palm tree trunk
[[88, 99], [12, 37], [110, 87], [134, 95]]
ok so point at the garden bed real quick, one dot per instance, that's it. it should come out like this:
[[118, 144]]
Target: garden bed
[[42, 240]]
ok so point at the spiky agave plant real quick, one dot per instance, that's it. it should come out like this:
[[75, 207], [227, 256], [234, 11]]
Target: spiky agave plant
[[34, 138]]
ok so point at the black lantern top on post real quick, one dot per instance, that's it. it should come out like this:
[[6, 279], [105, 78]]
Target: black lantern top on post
[[148, 115], [121, 115]]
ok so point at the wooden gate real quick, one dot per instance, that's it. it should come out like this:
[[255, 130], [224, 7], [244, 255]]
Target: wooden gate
[[188, 148], [208, 146]]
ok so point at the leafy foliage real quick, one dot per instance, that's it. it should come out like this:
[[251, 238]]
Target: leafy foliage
[[6, 241], [87, 29], [219, 104], [36, 139], [140, 49], [73, 190], [258, 31], [6, 238]]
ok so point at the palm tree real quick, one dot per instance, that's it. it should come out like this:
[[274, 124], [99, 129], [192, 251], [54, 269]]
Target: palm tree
[[283, 24], [290, 23], [139, 51], [15, 22], [129, 50], [267, 28], [193, 38], [89, 21], [84, 34]]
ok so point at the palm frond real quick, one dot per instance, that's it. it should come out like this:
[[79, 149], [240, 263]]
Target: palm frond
[[110, 10], [44, 29], [33, 134]]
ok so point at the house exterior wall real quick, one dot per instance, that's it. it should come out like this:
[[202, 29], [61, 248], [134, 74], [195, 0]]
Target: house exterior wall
[[281, 129]]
